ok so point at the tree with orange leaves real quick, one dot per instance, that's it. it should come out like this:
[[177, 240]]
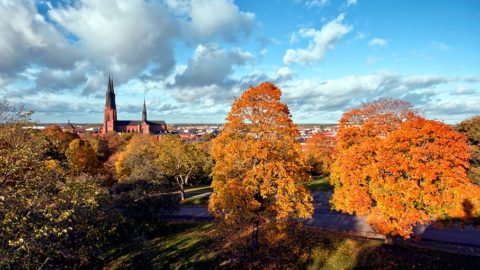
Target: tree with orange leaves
[[257, 178], [471, 128], [319, 153], [400, 169]]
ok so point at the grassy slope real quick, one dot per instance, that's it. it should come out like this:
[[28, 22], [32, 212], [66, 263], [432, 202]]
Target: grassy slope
[[181, 246], [191, 246], [318, 184]]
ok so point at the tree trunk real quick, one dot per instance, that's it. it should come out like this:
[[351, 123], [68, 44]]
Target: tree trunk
[[182, 193], [255, 236]]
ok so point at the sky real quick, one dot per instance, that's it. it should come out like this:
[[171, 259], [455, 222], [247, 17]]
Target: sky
[[191, 58]]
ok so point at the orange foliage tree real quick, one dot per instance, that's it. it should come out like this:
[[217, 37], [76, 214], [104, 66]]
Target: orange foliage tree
[[400, 169], [319, 153], [259, 166], [82, 158]]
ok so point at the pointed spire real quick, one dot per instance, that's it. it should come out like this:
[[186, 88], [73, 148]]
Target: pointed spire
[[144, 113], [110, 95]]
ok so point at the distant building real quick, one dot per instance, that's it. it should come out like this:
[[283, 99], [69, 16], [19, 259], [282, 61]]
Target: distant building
[[111, 124], [69, 127]]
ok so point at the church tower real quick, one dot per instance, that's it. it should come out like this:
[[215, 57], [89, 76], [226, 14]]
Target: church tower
[[145, 127], [110, 113], [144, 113]]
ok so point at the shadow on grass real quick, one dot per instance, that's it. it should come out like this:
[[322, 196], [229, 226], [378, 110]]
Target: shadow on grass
[[181, 246], [401, 257], [193, 246]]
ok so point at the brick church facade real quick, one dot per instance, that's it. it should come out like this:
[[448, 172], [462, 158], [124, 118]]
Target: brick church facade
[[111, 124]]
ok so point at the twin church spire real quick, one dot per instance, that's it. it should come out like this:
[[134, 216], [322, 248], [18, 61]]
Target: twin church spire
[[111, 124], [110, 99]]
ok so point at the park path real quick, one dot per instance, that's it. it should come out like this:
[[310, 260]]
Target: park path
[[323, 217]]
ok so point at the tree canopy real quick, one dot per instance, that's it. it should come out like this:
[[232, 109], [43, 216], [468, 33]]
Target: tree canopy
[[471, 128], [319, 153], [399, 169], [259, 165], [181, 161]]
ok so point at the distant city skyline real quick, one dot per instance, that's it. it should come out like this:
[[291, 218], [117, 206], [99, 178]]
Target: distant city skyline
[[191, 58]]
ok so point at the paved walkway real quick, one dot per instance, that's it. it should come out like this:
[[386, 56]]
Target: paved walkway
[[325, 218]]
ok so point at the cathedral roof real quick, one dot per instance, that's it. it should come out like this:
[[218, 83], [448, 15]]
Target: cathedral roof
[[137, 122]]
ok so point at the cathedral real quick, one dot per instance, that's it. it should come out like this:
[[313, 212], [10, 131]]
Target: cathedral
[[111, 124]]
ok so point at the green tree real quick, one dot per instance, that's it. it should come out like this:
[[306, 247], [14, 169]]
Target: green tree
[[143, 192], [471, 128], [46, 221], [137, 161], [182, 161], [259, 169]]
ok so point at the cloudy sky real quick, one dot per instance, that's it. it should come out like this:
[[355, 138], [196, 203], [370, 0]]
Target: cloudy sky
[[191, 58]]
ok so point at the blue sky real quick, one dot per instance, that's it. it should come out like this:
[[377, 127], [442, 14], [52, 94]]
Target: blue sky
[[191, 58]]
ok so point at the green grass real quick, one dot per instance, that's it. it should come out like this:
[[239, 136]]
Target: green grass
[[196, 200], [194, 197], [182, 246], [198, 189], [192, 246], [318, 184]]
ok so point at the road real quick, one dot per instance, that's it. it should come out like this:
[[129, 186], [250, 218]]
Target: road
[[325, 218]]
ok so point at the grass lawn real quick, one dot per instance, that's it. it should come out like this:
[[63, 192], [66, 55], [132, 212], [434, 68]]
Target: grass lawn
[[181, 246], [196, 195], [191, 246], [318, 184], [198, 189], [201, 199]]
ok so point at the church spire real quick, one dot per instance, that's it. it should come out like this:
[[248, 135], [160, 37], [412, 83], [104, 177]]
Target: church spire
[[144, 113], [110, 95]]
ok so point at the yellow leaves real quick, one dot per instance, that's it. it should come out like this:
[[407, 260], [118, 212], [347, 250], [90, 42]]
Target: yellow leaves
[[82, 158]]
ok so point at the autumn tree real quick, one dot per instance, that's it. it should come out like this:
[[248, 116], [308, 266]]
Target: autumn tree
[[181, 161], [82, 158], [471, 128], [399, 169], [143, 192], [259, 169], [319, 153], [137, 161], [46, 220], [59, 139]]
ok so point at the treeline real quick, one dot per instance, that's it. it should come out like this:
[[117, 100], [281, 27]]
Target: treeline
[[65, 200], [387, 163]]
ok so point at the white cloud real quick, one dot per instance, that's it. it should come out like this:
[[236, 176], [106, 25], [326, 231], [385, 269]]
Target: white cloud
[[284, 73], [463, 90], [206, 19], [351, 2], [316, 3], [263, 52], [321, 41], [378, 42], [128, 38], [27, 38], [360, 35], [122, 36], [211, 65], [338, 95], [371, 60], [440, 45]]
